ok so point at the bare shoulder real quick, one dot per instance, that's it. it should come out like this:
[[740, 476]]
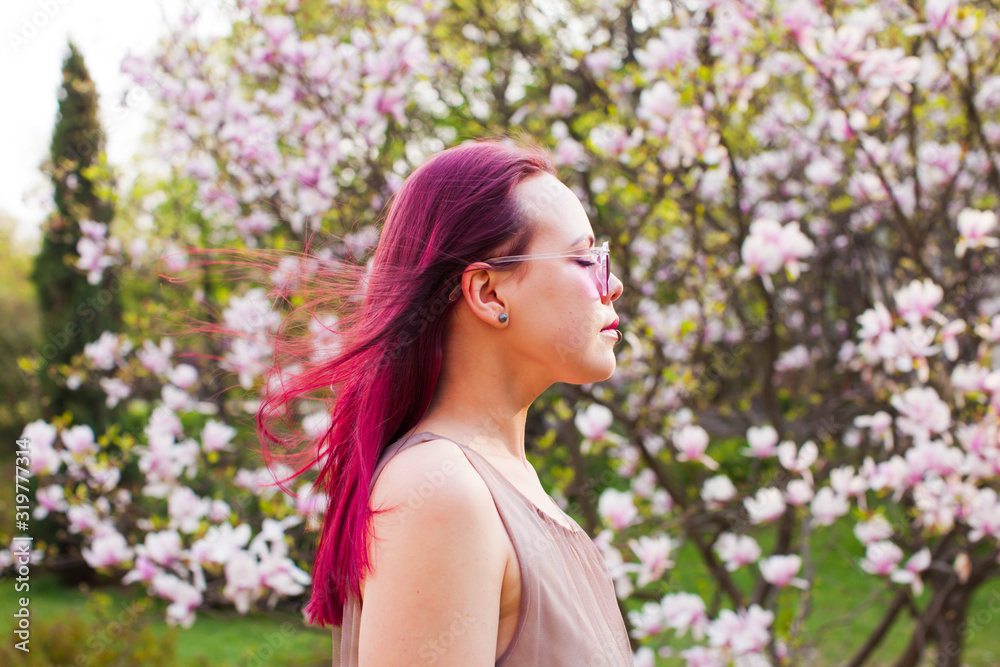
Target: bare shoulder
[[438, 558], [434, 475]]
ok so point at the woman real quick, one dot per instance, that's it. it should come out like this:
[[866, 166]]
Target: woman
[[440, 545]]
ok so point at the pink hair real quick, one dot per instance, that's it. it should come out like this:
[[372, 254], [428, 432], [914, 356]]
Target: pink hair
[[457, 208]]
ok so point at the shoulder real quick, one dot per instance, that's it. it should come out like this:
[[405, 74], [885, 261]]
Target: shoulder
[[433, 482], [438, 557]]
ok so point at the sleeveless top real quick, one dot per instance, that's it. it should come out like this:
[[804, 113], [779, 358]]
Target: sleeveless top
[[569, 616]]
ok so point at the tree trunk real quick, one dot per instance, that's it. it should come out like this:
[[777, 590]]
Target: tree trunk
[[942, 623]]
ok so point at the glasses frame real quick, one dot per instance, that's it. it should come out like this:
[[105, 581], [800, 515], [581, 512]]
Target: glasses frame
[[599, 253]]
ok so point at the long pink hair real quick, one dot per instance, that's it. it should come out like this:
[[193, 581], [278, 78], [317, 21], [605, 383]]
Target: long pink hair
[[379, 363]]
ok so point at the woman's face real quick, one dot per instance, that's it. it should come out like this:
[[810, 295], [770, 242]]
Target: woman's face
[[557, 311]]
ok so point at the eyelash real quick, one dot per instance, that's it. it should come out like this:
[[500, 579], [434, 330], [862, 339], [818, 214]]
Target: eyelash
[[586, 262]]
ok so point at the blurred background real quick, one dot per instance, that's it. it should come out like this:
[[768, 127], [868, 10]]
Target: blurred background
[[796, 459]]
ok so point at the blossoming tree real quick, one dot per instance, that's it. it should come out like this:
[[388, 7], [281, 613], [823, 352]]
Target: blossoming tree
[[801, 199]]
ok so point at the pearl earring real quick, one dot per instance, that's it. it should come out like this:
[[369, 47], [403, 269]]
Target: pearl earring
[[502, 317]]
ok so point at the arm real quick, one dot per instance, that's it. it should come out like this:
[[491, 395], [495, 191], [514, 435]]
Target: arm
[[438, 560]]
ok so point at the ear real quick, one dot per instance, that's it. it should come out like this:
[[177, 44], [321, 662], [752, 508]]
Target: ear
[[481, 289]]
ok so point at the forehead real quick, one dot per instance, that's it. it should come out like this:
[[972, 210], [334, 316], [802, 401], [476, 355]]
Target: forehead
[[557, 213]]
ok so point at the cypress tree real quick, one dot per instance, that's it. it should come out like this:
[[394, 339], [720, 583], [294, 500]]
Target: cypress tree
[[73, 312]]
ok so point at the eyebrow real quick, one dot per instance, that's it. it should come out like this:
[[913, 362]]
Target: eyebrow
[[585, 237]]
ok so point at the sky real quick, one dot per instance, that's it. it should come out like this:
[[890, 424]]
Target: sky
[[33, 44]]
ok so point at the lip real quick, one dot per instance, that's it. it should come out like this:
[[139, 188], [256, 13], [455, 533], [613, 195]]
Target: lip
[[611, 326]]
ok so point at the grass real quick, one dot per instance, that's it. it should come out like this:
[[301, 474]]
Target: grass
[[218, 637]]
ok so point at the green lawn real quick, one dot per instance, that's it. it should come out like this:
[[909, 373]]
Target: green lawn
[[218, 637]]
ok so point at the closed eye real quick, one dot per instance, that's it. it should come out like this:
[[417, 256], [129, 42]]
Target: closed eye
[[585, 262]]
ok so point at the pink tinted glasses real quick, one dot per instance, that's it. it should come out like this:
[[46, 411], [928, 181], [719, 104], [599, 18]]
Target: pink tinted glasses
[[597, 256]]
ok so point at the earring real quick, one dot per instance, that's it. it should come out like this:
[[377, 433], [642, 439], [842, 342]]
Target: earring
[[502, 317]]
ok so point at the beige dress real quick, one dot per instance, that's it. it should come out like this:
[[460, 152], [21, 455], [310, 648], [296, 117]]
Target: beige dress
[[569, 615]]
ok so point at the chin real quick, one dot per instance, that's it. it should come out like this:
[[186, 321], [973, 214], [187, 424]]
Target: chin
[[596, 372]]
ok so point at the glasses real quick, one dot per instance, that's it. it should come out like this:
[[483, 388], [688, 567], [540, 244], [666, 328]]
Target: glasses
[[598, 257]]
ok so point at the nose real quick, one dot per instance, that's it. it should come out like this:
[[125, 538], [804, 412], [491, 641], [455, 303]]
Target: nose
[[615, 288]]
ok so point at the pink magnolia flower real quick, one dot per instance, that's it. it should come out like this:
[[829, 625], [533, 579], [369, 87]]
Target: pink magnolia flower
[[661, 503], [949, 338], [918, 300], [594, 422], [657, 105], [156, 358], [823, 172], [79, 440], [922, 411], [780, 571], [40, 434], [717, 490], [874, 322], [569, 153], [737, 550], [311, 504], [682, 611], [844, 44], [107, 549], [991, 331], [183, 375], [654, 557], [771, 245], [105, 350], [647, 621], [798, 492], [664, 53], [116, 389], [691, 442], [827, 506], [616, 508], [220, 543], [880, 424], [910, 573], [183, 596], [44, 458], [798, 460], [881, 558], [216, 436], [702, 656], [219, 511], [145, 569], [644, 484], [845, 483], [763, 442], [561, 99], [875, 529], [186, 509], [984, 515], [614, 140], [51, 498], [797, 357], [279, 573], [881, 68], [974, 228], [82, 518], [744, 632], [766, 505], [600, 61], [941, 14], [93, 258], [163, 547], [644, 657]]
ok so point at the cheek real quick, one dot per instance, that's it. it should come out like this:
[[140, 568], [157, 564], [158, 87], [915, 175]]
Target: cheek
[[587, 286]]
